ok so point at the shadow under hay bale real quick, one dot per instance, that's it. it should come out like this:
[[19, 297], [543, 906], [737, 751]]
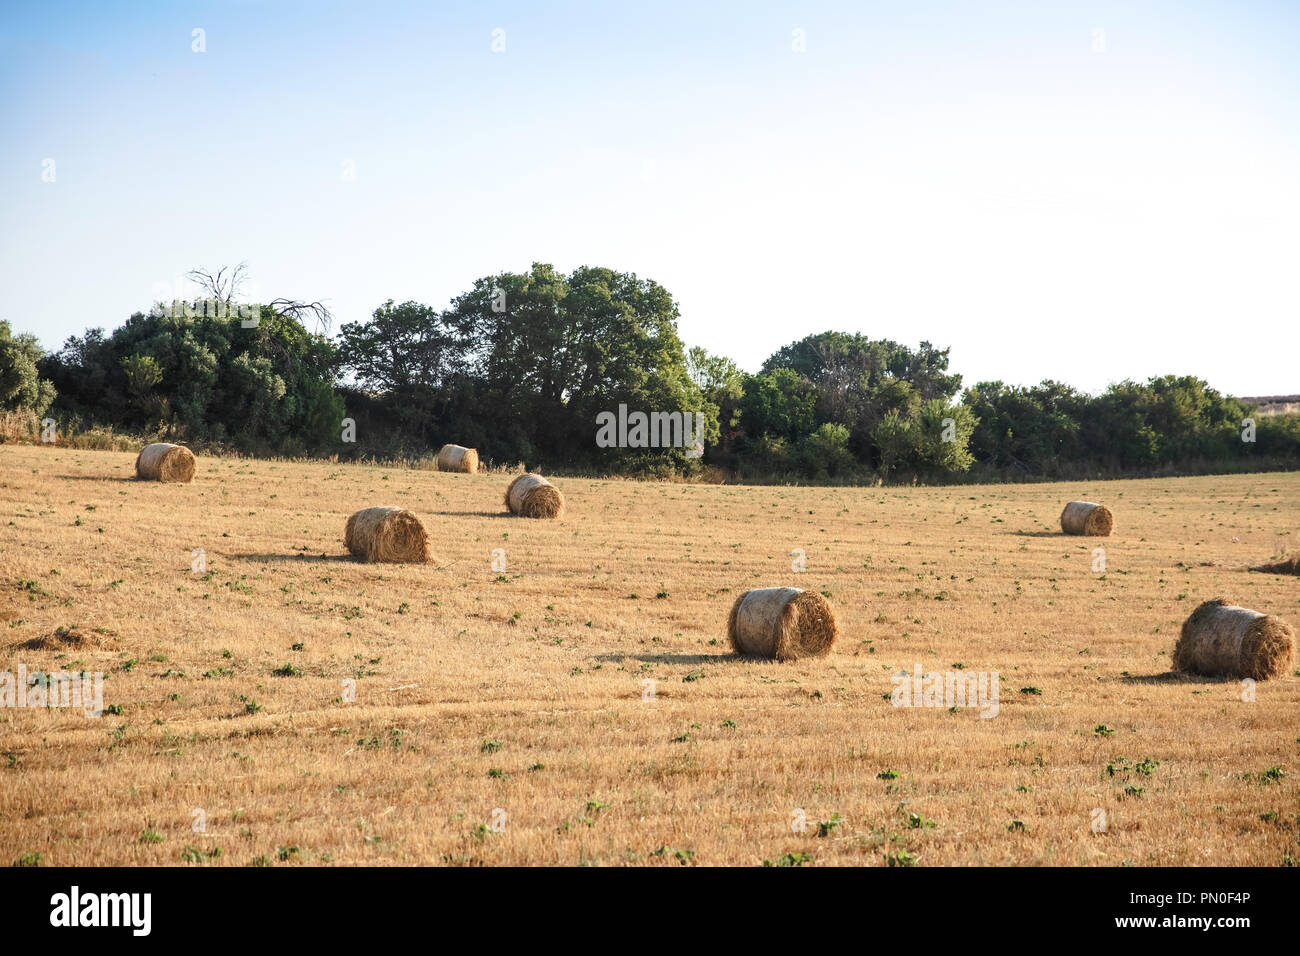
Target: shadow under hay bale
[[532, 496], [1223, 639], [782, 624], [1087, 518], [1289, 565], [67, 639], [457, 458], [388, 534], [163, 461]]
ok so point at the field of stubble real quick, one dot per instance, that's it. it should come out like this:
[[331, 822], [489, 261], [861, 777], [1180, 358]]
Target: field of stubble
[[517, 701]]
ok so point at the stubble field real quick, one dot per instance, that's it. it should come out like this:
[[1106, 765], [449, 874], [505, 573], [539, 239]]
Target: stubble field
[[582, 705]]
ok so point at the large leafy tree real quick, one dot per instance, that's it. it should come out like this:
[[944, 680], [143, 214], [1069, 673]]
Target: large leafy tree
[[411, 362], [526, 361]]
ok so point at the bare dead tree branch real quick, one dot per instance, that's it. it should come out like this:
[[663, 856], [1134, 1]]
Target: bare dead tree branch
[[225, 285], [318, 311]]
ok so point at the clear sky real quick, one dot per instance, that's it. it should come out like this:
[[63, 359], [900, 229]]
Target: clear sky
[[1078, 191]]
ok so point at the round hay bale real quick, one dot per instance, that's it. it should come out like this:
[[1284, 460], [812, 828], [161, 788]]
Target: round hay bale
[[782, 624], [532, 496], [388, 534], [457, 458], [1084, 517], [1221, 638], [162, 461]]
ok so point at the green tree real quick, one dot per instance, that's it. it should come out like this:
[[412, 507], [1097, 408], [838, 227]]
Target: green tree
[[893, 436], [943, 438], [722, 383], [268, 387], [825, 453], [858, 383], [720, 380], [521, 364], [781, 403], [550, 352], [1034, 429], [21, 385], [413, 363], [143, 374]]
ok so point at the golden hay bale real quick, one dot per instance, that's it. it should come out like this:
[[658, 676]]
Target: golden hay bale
[[782, 624], [1084, 517], [162, 461], [1221, 638], [387, 534], [532, 496], [457, 458]]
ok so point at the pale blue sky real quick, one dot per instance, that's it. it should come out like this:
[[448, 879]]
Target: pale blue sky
[[1000, 178]]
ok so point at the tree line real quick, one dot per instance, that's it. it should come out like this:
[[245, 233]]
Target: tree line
[[523, 366]]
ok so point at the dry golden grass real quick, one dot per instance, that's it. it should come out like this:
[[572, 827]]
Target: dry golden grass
[[522, 690]]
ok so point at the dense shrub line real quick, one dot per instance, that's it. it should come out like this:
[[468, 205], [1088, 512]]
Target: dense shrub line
[[521, 365]]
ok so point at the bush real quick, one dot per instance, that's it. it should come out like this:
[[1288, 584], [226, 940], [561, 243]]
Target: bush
[[19, 425], [766, 455], [204, 379], [825, 453], [20, 384]]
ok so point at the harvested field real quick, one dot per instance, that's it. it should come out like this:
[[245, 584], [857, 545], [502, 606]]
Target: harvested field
[[569, 683]]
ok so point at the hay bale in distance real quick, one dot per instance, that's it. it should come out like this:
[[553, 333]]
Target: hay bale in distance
[[1221, 638], [782, 624], [163, 461], [1084, 517], [457, 458], [388, 534], [532, 496]]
